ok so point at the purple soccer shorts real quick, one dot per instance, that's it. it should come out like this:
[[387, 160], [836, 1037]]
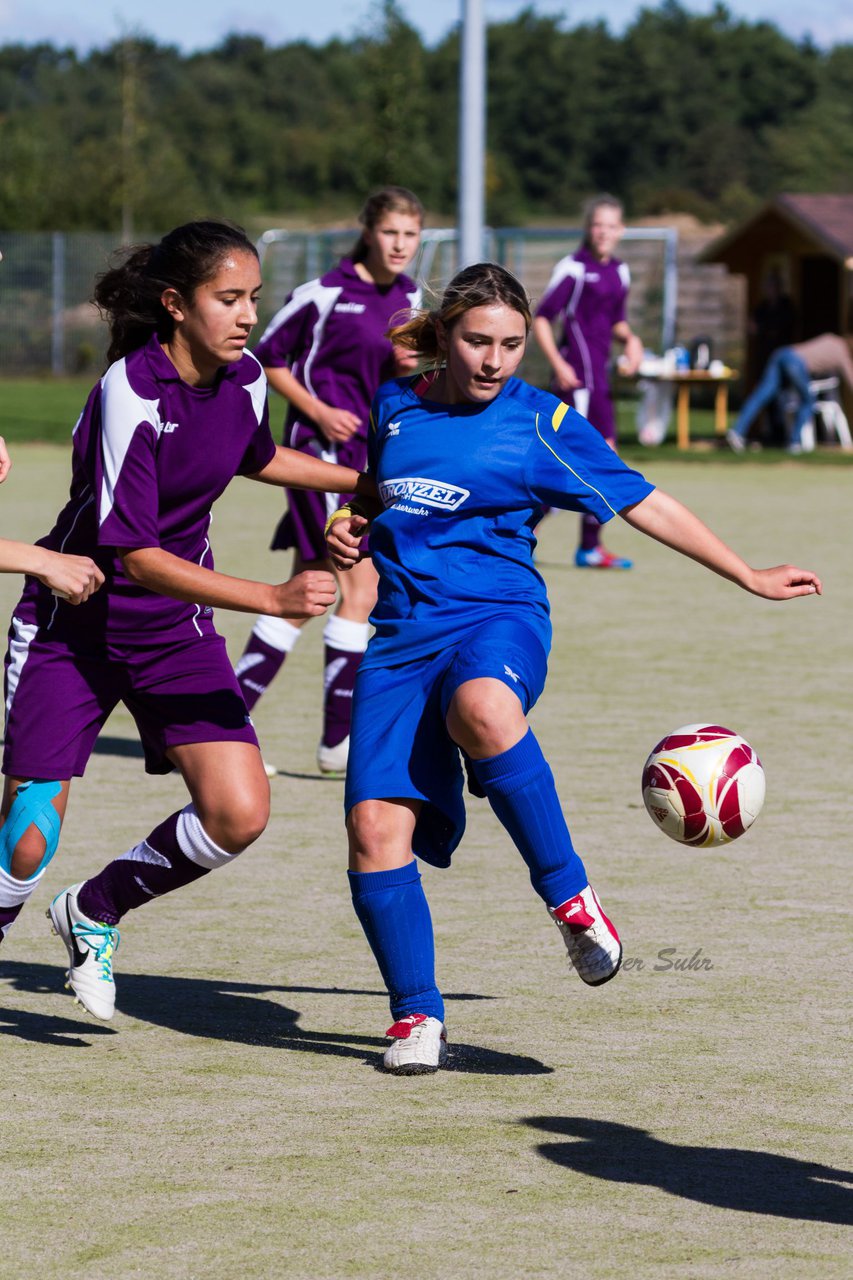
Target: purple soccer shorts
[[60, 694]]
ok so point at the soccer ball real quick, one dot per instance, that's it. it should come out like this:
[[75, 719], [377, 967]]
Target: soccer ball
[[703, 785]]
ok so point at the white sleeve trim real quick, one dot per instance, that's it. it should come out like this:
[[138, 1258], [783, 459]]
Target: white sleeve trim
[[122, 413], [257, 390], [568, 266], [323, 297]]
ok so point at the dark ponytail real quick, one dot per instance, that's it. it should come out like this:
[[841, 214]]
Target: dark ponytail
[[128, 295]]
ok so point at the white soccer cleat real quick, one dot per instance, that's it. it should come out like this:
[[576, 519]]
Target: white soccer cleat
[[418, 1046], [333, 760], [591, 941], [91, 947]]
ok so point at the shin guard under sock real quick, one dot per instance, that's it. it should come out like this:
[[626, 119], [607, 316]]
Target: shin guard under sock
[[346, 642], [394, 914], [266, 649], [176, 852], [520, 788]]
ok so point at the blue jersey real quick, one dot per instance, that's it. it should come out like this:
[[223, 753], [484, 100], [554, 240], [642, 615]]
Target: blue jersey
[[463, 488]]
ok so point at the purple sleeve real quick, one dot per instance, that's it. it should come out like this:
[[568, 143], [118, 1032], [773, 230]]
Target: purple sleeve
[[288, 334], [261, 449], [554, 300]]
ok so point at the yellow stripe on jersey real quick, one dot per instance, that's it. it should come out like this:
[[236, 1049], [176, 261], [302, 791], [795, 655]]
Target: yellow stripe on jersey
[[559, 413], [564, 463]]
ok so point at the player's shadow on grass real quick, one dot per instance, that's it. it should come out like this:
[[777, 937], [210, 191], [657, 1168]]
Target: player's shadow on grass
[[41, 1028], [230, 1011], [728, 1177]]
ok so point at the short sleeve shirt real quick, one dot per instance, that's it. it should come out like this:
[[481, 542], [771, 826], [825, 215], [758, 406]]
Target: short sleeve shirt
[[463, 488], [151, 454], [588, 298], [330, 333]]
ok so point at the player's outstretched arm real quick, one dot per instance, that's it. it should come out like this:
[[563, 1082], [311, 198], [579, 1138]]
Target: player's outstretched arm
[[297, 470], [670, 522], [307, 595], [73, 578]]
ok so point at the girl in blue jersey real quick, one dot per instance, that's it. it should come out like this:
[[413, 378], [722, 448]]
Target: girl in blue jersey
[[464, 459], [326, 352], [181, 411]]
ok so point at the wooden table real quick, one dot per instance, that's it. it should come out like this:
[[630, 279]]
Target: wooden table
[[683, 380]]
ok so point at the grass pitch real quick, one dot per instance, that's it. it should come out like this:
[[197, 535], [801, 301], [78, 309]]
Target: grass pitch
[[683, 1121]]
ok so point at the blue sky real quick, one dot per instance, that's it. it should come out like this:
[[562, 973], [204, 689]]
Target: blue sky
[[201, 24]]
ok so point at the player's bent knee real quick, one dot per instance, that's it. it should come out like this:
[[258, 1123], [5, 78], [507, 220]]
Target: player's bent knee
[[209, 844], [380, 834], [235, 828], [32, 827], [484, 717]]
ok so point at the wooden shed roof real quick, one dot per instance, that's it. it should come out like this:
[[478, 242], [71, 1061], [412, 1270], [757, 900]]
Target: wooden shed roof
[[824, 221]]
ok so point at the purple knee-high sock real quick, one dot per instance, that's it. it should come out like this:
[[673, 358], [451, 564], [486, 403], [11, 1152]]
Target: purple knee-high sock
[[256, 670], [590, 533], [346, 642], [156, 866], [8, 916], [266, 649]]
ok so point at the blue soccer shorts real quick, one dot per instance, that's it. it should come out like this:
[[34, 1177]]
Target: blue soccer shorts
[[399, 744]]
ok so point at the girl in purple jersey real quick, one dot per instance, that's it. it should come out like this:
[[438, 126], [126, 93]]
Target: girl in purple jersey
[[464, 460], [586, 295], [181, 411], [326, 352]]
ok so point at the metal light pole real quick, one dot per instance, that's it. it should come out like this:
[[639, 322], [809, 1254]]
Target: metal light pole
[[472, 133]]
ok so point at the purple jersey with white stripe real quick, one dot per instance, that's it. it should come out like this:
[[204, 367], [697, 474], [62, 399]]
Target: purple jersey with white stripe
[[151, 454], [330, 333], [588, 297]]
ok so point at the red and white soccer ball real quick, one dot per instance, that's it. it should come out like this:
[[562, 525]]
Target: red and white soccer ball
[[703, 785]]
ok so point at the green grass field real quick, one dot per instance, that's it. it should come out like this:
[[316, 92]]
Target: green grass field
[[679, 1122], [46, 409]]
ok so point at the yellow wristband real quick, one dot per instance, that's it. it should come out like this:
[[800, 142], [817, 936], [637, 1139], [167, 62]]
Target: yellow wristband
[[340, 514], [355, 507]]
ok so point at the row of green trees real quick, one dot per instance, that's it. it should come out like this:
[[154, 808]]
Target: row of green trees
[[701, 113]]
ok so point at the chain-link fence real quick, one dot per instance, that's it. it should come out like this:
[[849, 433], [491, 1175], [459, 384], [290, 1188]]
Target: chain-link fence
[[289, 257], [48, 323]]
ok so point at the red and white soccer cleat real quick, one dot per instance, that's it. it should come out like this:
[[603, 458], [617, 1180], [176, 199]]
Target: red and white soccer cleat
[[591, 941], [418, 1045]]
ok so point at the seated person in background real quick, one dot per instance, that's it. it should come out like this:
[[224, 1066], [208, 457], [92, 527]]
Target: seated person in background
[[791, 369], [773, 324]]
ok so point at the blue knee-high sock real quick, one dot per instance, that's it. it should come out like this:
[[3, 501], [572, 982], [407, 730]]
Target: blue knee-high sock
[[520, 788], [394, 914]]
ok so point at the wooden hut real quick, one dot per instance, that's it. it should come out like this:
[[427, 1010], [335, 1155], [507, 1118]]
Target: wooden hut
[[805, 243]]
